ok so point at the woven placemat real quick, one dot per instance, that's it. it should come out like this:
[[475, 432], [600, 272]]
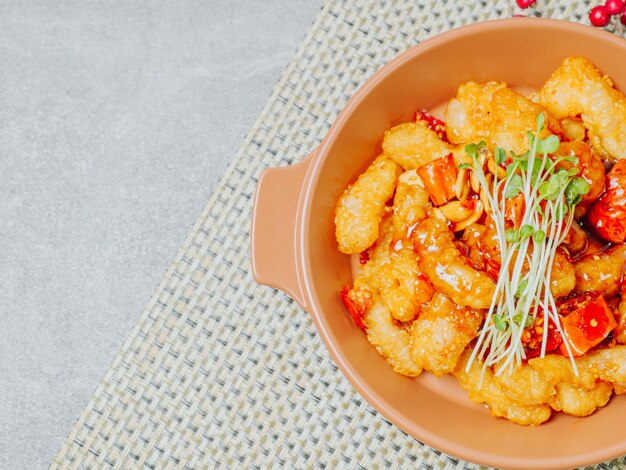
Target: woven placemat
[[220, 371]]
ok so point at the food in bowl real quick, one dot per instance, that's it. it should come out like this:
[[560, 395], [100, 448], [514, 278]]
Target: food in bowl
[[490, 245]]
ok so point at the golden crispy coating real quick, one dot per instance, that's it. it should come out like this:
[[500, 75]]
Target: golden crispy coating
[[576, 88], [410, 202], [360, 208], [472, 237], [496, 114], [393, 270], [441, 333], [579, 401], [468, 115], [495, 396], [563, 276], [390, 339], [447, 269], [608, 365], [573, 129], [601, 272], [513, 116], [379, 255], [525, 386], [403, 287], [413, 145]]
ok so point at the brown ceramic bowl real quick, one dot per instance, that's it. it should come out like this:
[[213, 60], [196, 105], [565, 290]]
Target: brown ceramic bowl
[[294, 248]]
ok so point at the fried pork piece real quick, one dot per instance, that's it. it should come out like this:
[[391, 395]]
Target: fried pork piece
[[525, 386], [607, 365], [447, 269], [403, 287], [441, 333], [389, 338], [563, 275], [573, 129], [601, 272], [496, 114], [360, 208], [393, 271], [412, 145], [579, 401], [410, 202], [468, 115], [472, 237], [577, 87], [495, 396], [379, 253]]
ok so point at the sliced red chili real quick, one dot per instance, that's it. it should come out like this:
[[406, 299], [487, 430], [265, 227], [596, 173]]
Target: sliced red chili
[[514, 209], [356, 301], [607, 215], [587, 321], [532, 338], [434, 124], [439, 178]]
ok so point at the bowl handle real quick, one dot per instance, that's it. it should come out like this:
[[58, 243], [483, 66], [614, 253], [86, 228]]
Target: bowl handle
[[272, 237]]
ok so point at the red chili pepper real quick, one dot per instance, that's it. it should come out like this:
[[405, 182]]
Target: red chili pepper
[[532, 338], [364, 257], [514, 209], [439, 178], [607, 215], [434, 124], [357, 301], [587, 322]]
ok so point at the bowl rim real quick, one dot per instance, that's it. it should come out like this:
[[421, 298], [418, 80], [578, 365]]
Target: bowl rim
[[413, 429]]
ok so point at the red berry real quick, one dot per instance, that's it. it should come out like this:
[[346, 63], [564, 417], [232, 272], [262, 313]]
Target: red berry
[[599, 16], [525, 3], [614, 7]]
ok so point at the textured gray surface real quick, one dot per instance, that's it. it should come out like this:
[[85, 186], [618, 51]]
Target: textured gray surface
[[116, 120]]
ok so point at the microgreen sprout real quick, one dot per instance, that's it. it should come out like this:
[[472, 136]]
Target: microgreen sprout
[[527, 249]]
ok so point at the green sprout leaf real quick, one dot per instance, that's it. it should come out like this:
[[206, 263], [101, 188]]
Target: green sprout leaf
[[465, 166], [573, 160], [575, 190], [472, 150], [526, 231], [531, 139], [500, 322], [499, 155], [527, 324], [548, 145], [521, 288], [539, 236], [510, 169], [540, 119], [581, 185], [511, 235], [552, 188], [514, 187]]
